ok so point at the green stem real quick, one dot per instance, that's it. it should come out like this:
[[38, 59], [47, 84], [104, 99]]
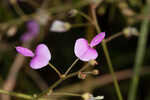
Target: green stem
[[71, 66], [139, 55], [67, 94], [18, 9], [19, 95], [56, 70], [49, 89], [59, 81], [76, 73], [107, 56], [29, 97], [86, 17], [80, 25], [112, 71], [113, 37]]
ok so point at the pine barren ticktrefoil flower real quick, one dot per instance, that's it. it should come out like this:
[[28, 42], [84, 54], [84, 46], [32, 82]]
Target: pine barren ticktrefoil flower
[[40, 58], [85, 51], [88, 96]]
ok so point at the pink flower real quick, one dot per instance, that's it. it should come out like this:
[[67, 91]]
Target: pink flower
[[32, 31], [85, 51], [40, 58]]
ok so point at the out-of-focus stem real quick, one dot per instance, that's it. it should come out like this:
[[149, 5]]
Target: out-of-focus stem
[[93, 9], [19, 95], [17, 8], [66, 94], [139, 54], [86, 17], [80, 25], [71, 66], [113, 37]]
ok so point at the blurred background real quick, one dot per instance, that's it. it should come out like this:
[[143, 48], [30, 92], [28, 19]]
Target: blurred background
[[30, 22]]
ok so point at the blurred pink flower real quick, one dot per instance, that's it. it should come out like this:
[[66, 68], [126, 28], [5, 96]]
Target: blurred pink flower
[[32, 31], [40, 58], [85, 51]]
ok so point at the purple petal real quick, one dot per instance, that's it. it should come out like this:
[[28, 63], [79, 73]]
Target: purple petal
[[33, 27], [83, 51], [32, 31], [24, 51], [41, 58], [97, 39], [90, 54], [81, 46], [27, 36]]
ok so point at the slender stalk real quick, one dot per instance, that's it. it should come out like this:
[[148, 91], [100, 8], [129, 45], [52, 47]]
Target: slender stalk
[[113, 37], [112, 71], [68, 70], [17, 8], [86, 17], [141, 47], [59, 81], [76, 73], [47, 91], [19, 95], [67, 94], [80, 25], [56, 70], [107, 56], [29, 97]]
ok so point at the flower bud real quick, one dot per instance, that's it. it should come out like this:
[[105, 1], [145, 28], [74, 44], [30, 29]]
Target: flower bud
[[49, 92], [34, 95], [95, 72], [12, 31], [129, 31], [93, 62], [60, 26], [73, 12], [125, 9], [81, 75], [42, 17], [99, 97], [86, 96]]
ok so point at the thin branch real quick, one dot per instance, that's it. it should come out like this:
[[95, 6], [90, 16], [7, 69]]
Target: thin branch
[[47, 91], [10, 81], [109, 62], [55, 69], [73, 64], [113, 37], [142, 41], [101, 81], [17, 8], [20, 95]]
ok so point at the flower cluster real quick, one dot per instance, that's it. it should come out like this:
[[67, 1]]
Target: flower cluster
[[82, 49]]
